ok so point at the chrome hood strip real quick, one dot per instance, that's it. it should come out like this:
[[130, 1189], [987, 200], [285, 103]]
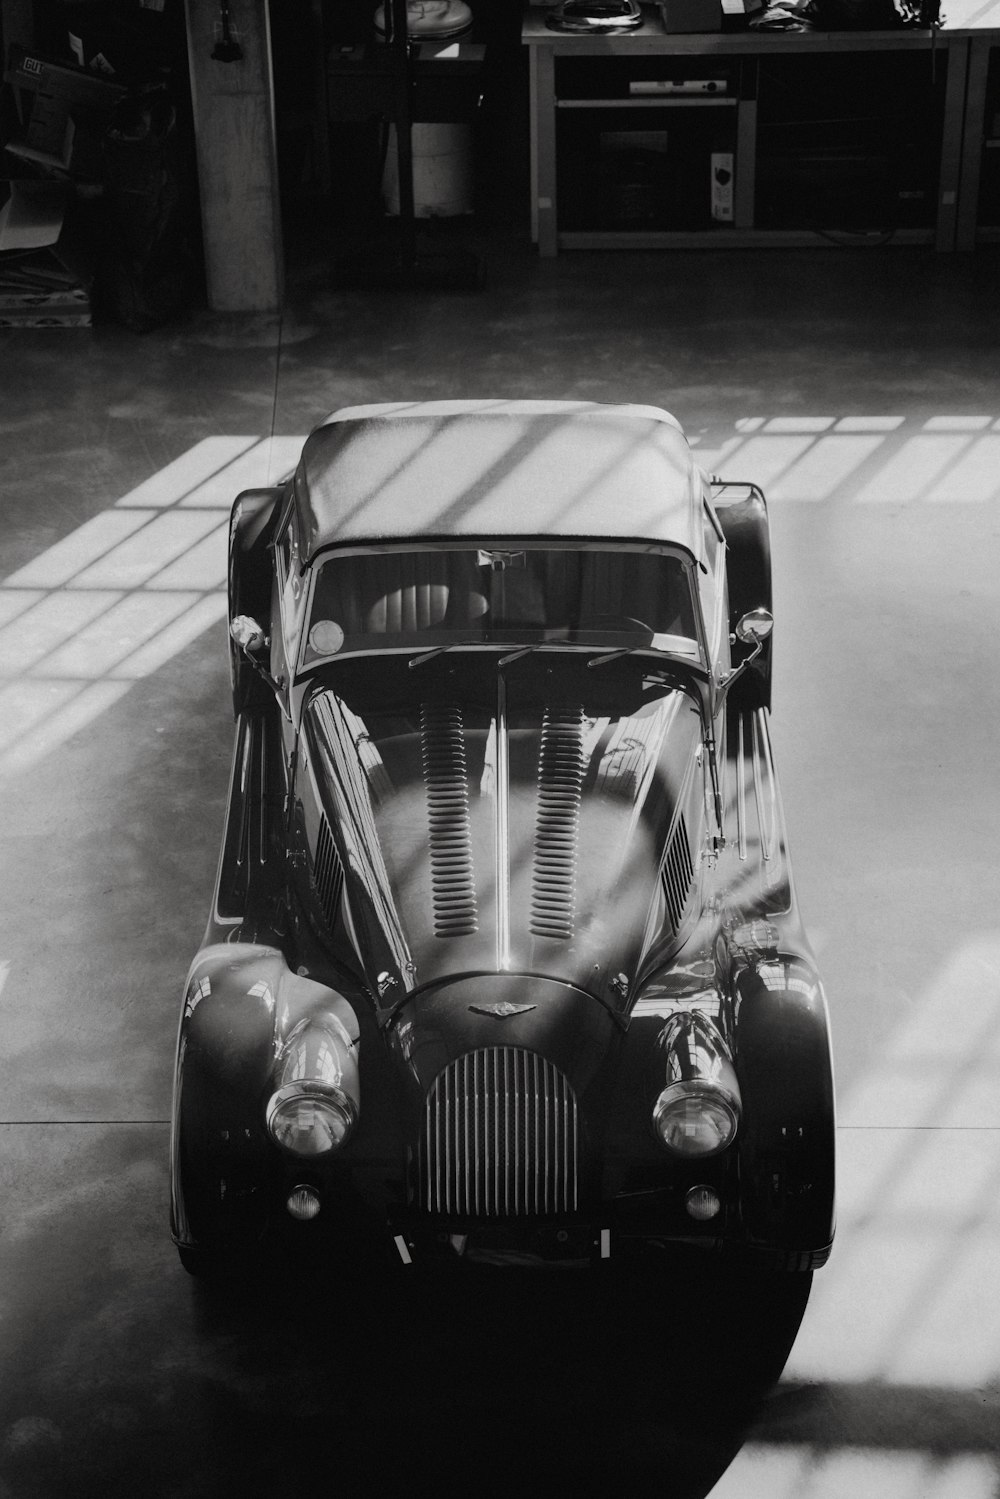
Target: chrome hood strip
[[502, 846]]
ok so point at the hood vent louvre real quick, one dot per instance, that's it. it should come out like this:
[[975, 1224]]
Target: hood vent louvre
[[500, 1137], [446, 779], [561, 769], [328, 873], [678, 872]]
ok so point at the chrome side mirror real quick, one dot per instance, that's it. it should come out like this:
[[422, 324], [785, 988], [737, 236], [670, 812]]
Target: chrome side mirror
[[251, 640], [755, 626], [247, 633], [753, 629]]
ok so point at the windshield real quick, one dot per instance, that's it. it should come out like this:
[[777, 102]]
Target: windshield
[[424, 598]]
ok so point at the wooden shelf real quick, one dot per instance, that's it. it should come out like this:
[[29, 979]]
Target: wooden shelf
[[961, 46]]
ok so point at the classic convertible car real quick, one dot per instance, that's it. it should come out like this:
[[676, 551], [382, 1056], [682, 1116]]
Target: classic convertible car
[[504, 963]]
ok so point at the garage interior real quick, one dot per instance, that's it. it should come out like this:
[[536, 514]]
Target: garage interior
[[855, 378]]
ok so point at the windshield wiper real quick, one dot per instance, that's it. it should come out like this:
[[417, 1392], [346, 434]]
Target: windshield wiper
[[514, 655], [438, 650], [616, 655], [523, 650]]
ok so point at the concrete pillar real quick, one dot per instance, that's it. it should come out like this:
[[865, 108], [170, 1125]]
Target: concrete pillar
[[237, 157]]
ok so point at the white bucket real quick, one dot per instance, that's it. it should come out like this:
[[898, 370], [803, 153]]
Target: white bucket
[[442, 171]]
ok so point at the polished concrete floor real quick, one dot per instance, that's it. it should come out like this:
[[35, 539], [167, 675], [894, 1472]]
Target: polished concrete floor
[[862, 390]]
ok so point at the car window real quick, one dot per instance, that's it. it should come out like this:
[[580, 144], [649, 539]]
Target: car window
[[434, 596]]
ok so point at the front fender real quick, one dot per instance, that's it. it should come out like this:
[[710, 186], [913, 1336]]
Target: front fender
[[787, 1137], [240, 1001]]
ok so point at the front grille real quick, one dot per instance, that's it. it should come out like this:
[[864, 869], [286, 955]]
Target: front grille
[[500, 1137]]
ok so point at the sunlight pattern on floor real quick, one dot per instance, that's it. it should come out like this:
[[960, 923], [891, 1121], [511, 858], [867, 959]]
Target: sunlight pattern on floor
[[137, 583], [919, 1190], [861, 460], [907, 1301], [803, 1473], [123, 594]]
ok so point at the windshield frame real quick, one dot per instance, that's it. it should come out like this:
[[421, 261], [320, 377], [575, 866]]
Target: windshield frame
[[518, 637]]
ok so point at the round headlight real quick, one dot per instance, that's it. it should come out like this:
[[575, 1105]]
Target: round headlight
[[694, 1119], [310, 1119]]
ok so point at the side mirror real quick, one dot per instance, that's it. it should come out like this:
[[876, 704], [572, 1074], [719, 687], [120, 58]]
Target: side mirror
[[755, 626], [251, 640], [753, 629], [247, 633]]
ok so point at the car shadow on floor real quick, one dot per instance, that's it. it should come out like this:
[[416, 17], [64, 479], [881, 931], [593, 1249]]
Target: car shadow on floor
[[510, 1381]]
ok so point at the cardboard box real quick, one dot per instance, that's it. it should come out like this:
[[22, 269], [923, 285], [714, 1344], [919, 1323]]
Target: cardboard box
[[63, 112], [44, 279]]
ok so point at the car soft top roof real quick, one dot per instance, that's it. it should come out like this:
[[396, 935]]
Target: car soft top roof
[[483, 469]]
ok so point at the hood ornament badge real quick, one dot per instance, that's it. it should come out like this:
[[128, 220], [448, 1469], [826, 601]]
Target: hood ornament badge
[[502, 1011]]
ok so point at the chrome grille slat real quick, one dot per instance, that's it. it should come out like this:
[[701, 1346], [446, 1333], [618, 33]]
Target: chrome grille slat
[[500, 1137]]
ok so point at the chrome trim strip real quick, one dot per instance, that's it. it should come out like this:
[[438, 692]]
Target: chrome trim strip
[[503, 830], [538, 1128], [492, 1118], [262, 850], [773, 834], [449, 1127], [765, 839], [741, 792], [565, 1135], [246, 781], [477, 1084]]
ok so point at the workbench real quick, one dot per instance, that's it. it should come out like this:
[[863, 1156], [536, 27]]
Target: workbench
[[962, 46]]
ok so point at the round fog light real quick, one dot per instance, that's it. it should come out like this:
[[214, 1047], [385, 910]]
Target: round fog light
[[702, 1203], [303, 1203]]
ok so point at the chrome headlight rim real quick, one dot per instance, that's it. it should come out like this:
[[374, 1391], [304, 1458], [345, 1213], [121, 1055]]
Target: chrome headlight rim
[[709, 1095], [334, 1100]]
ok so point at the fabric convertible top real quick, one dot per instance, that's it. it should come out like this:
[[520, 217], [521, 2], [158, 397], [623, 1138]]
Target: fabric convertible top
[[524, 469]]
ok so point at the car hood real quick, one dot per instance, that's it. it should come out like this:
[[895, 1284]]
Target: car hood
[[542, 819]]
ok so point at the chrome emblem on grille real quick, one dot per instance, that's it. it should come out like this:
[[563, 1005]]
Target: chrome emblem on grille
[[502, 1011]]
